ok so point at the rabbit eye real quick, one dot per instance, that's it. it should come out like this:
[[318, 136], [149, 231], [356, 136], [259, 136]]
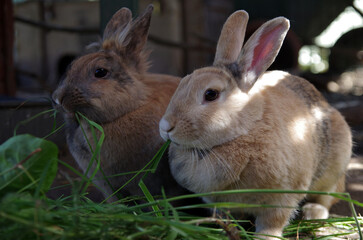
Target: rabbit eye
[[101, 72], [211, 95]]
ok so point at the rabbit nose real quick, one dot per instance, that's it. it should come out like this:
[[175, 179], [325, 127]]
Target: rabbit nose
[[165, 126], [55, 101], [55, 97]]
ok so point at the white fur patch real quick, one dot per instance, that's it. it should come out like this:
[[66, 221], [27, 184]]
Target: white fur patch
[[298, 129], [315, 211], [318, 114], [269, 79], [164, 127]]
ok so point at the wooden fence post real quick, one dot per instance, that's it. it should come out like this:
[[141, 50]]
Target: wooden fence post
[[7, 79]]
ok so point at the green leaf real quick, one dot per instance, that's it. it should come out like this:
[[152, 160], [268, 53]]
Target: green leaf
[[27, 163]]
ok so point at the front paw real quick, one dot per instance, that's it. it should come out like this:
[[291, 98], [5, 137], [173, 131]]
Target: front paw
[[315, 211]]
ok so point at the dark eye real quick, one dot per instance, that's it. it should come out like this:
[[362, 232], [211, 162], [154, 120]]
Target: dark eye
[[211, 95], [101, 72]]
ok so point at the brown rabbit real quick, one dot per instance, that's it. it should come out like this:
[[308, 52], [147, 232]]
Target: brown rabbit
[[113, 88], [235, 126]]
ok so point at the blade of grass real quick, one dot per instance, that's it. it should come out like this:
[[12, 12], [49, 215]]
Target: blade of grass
[[154, 163], [30, 223], [54, 131], [95, 152], [313, 226], [243, 232], [150, 198], [341, 196], [28, 186], [168, 207], [159, 155], [156, 159], [352, 209], [93, 158], [75, 171], [144, 169], [30, 119], [32, 180]]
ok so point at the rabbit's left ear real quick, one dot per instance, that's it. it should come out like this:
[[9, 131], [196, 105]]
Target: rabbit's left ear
[[261, 50], [231, 39], [117, 23]]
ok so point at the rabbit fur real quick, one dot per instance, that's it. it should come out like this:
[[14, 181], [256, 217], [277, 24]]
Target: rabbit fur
[[235, 126], [113, 88]]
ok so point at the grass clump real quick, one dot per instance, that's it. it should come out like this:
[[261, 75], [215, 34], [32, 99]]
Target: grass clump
[[27, 213], [25, 217]]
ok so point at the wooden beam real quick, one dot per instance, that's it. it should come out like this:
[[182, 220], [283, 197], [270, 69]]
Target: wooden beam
[[7, 79]]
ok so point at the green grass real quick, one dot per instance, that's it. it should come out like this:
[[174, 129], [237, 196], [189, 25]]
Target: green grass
[[24, 215], [76, 217]]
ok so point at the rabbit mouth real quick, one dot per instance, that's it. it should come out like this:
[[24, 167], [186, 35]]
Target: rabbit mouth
[[66, 113], [190, 146], [70, 107], [69, 115], [180, 141], [172, 141], [60, 108]]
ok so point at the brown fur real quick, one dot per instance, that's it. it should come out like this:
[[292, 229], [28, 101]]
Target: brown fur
[[265, 130], [127, 102]]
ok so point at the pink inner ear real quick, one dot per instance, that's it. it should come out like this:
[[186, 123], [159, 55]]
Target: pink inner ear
[[265, 47]]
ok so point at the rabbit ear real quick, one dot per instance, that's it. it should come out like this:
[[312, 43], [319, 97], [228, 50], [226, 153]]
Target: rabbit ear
[[136, 37], [231, 39], [117, 23], [261, 50]]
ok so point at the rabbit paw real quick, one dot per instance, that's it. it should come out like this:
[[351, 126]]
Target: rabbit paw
[[315, 211]]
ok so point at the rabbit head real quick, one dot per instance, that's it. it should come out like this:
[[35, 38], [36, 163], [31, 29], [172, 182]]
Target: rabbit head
[[213, 104], [99, 84]]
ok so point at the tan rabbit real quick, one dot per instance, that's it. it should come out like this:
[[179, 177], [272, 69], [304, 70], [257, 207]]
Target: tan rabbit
[[235, 126], [113, 88]]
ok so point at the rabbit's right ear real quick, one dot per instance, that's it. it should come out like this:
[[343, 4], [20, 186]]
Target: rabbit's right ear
[[260, 51], [231, 39], [135, 38], [117, 23]]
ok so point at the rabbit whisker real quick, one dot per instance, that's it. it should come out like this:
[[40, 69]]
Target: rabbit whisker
[[215, 160]]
